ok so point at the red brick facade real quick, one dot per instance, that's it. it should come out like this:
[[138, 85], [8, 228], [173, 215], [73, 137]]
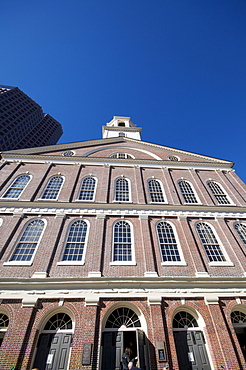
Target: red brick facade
[[156, 290]]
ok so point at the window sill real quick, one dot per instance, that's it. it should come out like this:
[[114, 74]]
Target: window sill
[[158, 202], [174, 263], [85, 201], [123, 263], [18, 263], [226, 263], [70, 263]]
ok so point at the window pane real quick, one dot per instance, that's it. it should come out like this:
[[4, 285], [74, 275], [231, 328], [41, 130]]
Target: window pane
[[210, 243], [53, 187], [17, 187], [122, 190], [218, 193], [122, 242], [75, 241], [187, 192], [241, 229], [155, 191], [87, 188], [167, 241], [28, 241]]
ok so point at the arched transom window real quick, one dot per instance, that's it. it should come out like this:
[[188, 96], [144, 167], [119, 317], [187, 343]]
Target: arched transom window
[[155, 191], [121, 156], [28, 242], [122, 244], [61, 321], [168, 243], [123, 316], [75, 244], [184, 320], [241, 230], [210, 242], [122, 190], [218, 192], [53, 187], [87, 189], [187, 191], [17, 187], [238, 317]]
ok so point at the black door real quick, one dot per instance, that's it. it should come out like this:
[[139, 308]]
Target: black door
[[191, 350], [53, 351]]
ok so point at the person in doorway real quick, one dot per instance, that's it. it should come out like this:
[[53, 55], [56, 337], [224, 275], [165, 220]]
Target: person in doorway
[[126, 358], [132, 367]]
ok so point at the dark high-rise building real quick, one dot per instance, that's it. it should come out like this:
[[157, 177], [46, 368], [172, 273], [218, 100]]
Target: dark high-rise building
[[23, 123]]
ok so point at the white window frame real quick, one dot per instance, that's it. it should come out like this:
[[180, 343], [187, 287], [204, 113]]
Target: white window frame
[[129, 187], [123, 263], [194, 192], [26, 263], [10, 186], [224, 193], [182, 260], [162, 189], [46, 186], [94, 192], [75, 263], [227, 261]]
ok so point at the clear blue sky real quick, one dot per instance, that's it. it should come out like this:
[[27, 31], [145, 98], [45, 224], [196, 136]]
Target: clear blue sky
[[177, 67]]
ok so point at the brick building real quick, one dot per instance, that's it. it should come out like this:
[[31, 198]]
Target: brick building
[[115, 243], [23, 123]]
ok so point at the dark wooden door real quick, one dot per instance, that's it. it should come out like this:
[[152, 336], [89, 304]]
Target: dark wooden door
[[53, 351], [191, 350]]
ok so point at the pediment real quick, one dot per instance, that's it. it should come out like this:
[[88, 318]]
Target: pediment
[[105, 148]]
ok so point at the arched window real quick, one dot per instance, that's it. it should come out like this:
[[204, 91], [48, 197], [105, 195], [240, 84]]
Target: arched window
[[210, 242], [28, 242], [59, 321], [155, 191], [241, 230], [122, 190], [53, 187], [184, 320], [122, 242], [17, 187], [218, 192], [187, 191], [123, 316], [87, 189], [167, 241], [121, 156], [75, 243], [4, 323]]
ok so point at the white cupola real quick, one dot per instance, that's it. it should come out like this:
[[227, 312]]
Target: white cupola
[[121, 127]]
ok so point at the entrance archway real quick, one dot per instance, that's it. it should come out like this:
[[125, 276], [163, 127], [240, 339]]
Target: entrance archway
[[123, 328], [53, 347], [238, 319], [190, 342]]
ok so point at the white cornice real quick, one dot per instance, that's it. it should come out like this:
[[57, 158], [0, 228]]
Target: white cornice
[[48, 159], [103, 210]]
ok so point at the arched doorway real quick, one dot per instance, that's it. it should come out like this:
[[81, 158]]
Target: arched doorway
[[123, 328], [238, 319], [190, 342], [53, 347]]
